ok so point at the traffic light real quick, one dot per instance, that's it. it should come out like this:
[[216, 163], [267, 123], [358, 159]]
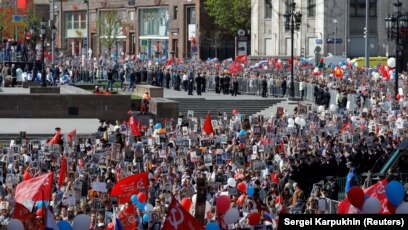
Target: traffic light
[[365, 32]]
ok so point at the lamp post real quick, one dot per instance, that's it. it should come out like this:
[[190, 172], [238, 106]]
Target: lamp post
[[87, 25], [397, 27], [335, 36], [293, 21], [42, 35]]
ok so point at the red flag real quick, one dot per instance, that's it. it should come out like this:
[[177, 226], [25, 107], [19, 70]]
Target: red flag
[[345, 127], [241, 59], [135, 128], [130, 185], [26, 175], [170, 61], [55, 139], [234, 67], [208, 129], [21, 4], [383, 70], [63, 172], [71, 135], [26, 217], [178, 218], [376, 190], [127, 218], [31, 190]]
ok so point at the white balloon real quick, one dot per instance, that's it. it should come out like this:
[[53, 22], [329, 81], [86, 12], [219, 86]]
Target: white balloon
[[332, 108], [320, 109], [15, 224], [265, 67], [302, 122], [291, 121], [231, 216], [402, 208], [149, 208], [391, 62], [81, 222], [279, 61], [316, 70], [297, 120], [231, 182], [371, 206]]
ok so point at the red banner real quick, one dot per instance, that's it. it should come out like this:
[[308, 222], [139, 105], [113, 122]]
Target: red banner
[[127, 218], [241, 59], [377, 191], [130, 185], [32, 190], [178, 218]]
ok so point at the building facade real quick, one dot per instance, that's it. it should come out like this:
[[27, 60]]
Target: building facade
[[337, 27], [148, 28]]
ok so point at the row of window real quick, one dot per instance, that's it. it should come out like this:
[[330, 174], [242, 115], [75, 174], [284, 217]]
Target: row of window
[[357, 8]]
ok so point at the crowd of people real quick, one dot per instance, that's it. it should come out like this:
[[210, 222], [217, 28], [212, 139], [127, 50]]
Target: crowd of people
[[266, 165]]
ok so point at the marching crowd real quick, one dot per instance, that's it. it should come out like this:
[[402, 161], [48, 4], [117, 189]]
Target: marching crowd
[[264, 165]]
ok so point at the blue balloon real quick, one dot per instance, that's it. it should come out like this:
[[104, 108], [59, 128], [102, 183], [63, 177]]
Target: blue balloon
[[212, 226], [366, 197], [250, 190], [134, 199], [39, 204], [141, 206], [146, 218], [158, 126], [242, 132], [395, 192], [64, 225]]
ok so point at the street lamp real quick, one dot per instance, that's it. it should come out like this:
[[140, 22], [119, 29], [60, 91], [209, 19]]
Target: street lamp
[[293, 20], [335, 36], [397, 27], [42, 35], [87, 26]]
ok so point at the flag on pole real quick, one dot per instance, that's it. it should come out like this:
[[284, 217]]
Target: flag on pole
[[71, 135], [130, 185], [208, 129], [31, 190], [135, 128], [55, 139], [241, 59], [178, 218], [63, 172]]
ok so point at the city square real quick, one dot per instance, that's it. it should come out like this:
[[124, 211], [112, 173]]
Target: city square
[[203, 114]]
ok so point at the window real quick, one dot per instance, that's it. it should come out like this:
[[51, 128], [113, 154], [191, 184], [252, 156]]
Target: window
[[191, 19], [75, 20], [175, 12], [311, 8], [268, 9], [358, 8]]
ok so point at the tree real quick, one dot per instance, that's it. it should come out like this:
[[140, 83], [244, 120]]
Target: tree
[[230, 15], [110, 27]]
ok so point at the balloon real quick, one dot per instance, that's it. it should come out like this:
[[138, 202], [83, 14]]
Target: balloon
[[39, 204], [391, 207], [15, 224], [291, 121], [402, 208], [186, 203], [371, 206], [223, 204], [231, 182], [141, 197], [395, 192], [158, 126], [320, 109], [302, 122], [231, 216], [141, 206], [355, 64], [332, 108], [316, 70], [134, 199], [64, 225], [250, 190], [242, 187], [81, 222], [242, 132], [297, 120], [241, 199], [265, 67], [398, 97], [39, 212], [146, 218], [148, 208], [356, 196], [391, 62], [212, 226], [254, 218]]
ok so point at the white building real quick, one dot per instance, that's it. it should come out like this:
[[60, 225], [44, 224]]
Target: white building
[[320, 18]]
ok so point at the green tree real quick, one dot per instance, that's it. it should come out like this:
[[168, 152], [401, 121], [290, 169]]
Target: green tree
[[230, 15], [110, 27]]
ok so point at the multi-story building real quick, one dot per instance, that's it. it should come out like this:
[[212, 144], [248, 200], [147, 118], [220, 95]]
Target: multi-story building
[[149, 28], [337, 27]]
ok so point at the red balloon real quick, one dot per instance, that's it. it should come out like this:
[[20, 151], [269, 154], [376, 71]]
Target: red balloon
[[241, 199], [242, 187], [391, 207], [223, 204], [254, 218], [398, 97], [39, 212], [141, 197], [356, 196], [186, 203]]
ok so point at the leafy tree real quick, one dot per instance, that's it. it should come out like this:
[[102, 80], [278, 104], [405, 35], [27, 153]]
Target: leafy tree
[[230, 15], [110, 26]]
